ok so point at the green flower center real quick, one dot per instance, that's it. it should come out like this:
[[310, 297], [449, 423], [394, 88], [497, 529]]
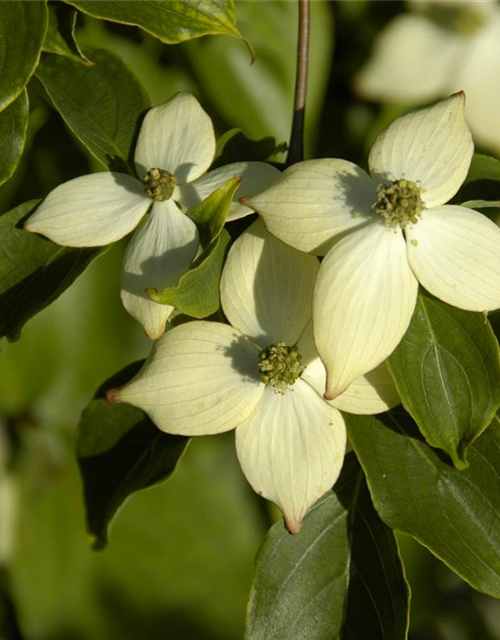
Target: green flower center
[[159, 184], [279, 366], [459, 17], [399, 203]]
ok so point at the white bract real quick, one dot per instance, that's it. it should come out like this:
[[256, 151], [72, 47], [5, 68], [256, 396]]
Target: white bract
[[261, 375], [385, 234], [175, 147], [438, 48]]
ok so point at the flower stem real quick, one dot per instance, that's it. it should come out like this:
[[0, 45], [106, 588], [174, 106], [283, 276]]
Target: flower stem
[[296, 149]]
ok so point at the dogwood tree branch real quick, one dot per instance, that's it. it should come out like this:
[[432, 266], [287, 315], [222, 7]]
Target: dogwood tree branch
[[296, 150]]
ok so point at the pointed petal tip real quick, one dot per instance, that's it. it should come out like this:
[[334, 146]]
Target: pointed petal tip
[[112, 397], [246, 200], [293, 526]]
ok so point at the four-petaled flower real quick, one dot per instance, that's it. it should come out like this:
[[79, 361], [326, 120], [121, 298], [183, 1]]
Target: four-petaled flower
[[261, 376], [385, 234], [175, 147], [439, 48]]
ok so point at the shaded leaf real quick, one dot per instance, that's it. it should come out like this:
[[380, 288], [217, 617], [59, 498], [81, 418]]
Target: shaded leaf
[[22, 30], [210, 215], [33, 270], [120, 451], [234, 146], [101, 103], [60, 36], [301, 582], [482, 181], [447, 371], [13, 125], [171, 21], [455, 514]]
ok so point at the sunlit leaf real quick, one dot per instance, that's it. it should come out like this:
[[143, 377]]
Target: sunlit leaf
[[197, 294], [171, 21], [455, 514], [447, 371]]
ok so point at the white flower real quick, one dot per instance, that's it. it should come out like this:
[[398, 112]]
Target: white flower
[[175, 147], [439, 48], [383, 235], [205, 378]]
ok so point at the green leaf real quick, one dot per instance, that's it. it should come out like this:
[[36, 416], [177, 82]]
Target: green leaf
[[378, 599], [13, 125], [455, 514], [234, 146], [171, 21], [33, 270], [259, 98], [447, 371], [482, 181], [101, 103], [343, 550], [120, 451], [481, 204], [197, 294], [60, 36], [210, 215], [22, 30]]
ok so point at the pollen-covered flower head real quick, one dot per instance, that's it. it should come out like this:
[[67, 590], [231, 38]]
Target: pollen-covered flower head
[[260, 376], [384, 234]]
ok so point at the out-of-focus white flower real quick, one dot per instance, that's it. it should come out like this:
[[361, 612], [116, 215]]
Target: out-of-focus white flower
[[385, 234], [261, 376], [176, 146], [439, 48]]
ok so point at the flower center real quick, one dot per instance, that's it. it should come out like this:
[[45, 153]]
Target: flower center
[[459, 17], [279, 366], [159, 184], [399, 203]]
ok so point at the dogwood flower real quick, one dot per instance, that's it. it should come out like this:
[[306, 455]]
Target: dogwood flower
[[175, 147], [436, 49], [260, 376], [385, 234]]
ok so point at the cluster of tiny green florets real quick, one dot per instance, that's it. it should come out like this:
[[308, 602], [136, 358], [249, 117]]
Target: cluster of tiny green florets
[[159, 184], [279, 365], [459, 17], [399, 203]]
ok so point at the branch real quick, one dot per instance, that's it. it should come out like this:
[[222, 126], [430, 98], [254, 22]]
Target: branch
[[296, 150]]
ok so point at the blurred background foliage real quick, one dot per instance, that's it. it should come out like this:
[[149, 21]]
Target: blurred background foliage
[[179, 563]]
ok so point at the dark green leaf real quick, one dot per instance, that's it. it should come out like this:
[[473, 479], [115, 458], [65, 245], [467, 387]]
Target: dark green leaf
[[378, 595], [60, 36], [101, 103], [33, 270], [234, 146], [171, 21], [120, 451], [447, 371], [22, 30], [482, 181], [301, 582], [13, 124], [455, 514]]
